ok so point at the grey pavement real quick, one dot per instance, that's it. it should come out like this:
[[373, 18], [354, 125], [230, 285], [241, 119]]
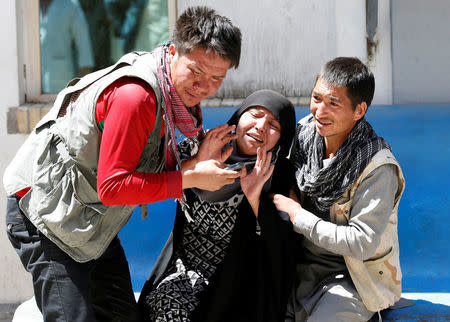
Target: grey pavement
[[7, 312], [28, 311]]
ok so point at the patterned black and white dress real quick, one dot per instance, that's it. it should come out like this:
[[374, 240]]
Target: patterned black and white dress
[[206, 236], [221, 263]]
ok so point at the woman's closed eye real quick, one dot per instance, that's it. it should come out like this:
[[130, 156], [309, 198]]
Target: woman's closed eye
[[275, 125]]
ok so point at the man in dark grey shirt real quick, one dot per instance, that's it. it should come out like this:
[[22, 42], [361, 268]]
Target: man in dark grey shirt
[[345, 205]]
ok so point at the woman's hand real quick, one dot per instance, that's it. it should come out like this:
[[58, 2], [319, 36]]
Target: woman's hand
[[253, 183]]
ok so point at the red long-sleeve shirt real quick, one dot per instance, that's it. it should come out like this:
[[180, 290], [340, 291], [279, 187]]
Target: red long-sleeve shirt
[[128, 109]]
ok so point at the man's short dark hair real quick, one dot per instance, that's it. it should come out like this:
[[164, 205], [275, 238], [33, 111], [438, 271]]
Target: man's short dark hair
[[202, 27], [350, 72]]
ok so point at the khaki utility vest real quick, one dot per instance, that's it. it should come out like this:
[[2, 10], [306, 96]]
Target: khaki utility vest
[[377, 279], [59, 162]]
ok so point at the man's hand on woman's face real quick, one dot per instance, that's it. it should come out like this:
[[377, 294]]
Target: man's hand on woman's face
[[213, 143]]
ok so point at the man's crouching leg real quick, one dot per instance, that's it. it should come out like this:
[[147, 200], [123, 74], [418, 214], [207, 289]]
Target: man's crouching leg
[[340, 303]]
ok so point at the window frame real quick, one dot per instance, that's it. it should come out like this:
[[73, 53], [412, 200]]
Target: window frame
[[32, 50]]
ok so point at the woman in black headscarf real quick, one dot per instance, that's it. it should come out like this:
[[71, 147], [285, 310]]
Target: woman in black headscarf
[[228, 257]]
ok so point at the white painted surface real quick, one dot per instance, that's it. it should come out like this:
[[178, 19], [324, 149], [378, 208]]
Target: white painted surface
[[436, 298], [15, 283], [350, 24], [9, 83], [421, 51], [381, 65], [286, 42], [29, 312]]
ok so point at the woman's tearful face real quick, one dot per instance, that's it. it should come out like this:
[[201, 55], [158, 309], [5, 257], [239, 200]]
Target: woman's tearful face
[[257, 127]]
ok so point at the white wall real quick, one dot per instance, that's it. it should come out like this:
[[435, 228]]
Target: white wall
[[381, 64], [421, 51], [15, 283], [286, 42]]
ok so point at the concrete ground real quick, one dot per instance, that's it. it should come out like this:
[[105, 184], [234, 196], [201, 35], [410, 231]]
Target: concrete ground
[[28, 311], [7, 312]]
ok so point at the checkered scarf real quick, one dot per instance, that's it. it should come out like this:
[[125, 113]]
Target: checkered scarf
[[324, 185], [188, 121]]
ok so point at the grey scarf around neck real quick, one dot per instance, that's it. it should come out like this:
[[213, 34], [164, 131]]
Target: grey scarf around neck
[[324, 185]]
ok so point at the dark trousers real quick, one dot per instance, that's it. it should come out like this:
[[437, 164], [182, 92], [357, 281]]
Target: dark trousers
[[65, 290]]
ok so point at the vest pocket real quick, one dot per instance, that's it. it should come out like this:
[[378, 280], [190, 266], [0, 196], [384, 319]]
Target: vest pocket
[[340, 212], [72, 209], [384, 269], [380, 258]]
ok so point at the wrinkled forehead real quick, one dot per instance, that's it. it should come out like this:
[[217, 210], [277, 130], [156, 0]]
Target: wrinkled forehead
[[261, 109]]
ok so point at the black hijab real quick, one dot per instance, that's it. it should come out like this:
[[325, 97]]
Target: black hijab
[[284, 111], [280, 107]]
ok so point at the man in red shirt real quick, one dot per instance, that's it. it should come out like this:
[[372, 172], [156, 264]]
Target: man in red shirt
[[107, 145]]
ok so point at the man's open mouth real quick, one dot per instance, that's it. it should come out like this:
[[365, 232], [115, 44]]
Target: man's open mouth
[[323, 122]]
